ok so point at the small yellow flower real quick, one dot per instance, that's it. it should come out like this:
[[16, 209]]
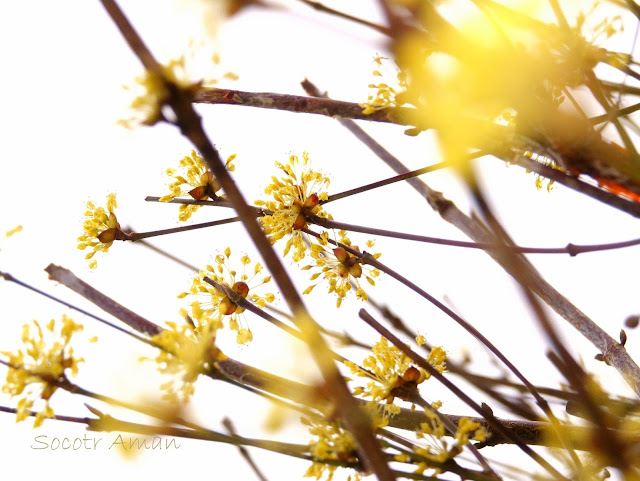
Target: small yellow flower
[[101, 228], [333, 443], [340, 268], [151, 93], [188, 350], [386, 95], [433, 431], [389, 371], [296, 194], [35, 372], [195, 180], [220, 306]]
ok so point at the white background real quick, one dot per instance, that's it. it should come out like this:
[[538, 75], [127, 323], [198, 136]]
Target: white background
[[63, 66]]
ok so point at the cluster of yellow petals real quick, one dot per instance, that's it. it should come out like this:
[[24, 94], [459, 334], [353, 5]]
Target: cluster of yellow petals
[[151, 93], [220, 305], [440, 449], [193, 178], [100, 228], [387, 369], [300, 190], [187, 350], [385, 95], [333, 443], [340, 268], [35, 371]]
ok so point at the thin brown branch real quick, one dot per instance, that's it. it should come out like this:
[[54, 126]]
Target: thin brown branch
[[69, 279], [573, 182], [191, 127], [301, 104], [323, 8], [228, 425]]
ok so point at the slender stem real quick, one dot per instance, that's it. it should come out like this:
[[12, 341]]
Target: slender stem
[[136, 236], [69, 279], [228, 425], [323, 8], [572, 370], [598, 119], [571, 249], [391, 180], [573, 182], [9, 277]]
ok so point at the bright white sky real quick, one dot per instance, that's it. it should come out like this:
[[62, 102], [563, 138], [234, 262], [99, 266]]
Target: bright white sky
[[64, 63]]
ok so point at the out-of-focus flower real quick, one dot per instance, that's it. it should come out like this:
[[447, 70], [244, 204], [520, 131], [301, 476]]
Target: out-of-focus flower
[[188, 350], [194, 179], [296, 194], [465, 70], [386, 95], [35, 371]]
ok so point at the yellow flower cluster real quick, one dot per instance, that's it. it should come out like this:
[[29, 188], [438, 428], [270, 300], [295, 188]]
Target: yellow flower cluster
[[151, 93], [188, 350], [340, 268], [101, 228], [295, 195], [223, 305], [333, 443], [34, 372], [194, 179], [385, 95], [389, 369], [439, 449]]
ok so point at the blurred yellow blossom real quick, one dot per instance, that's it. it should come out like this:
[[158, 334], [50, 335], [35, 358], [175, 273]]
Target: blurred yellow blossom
[[295, 195], [35, 371], [195, 180], [189, 72], [13, 231], [188, 350], [220, 306], [465, 70], [386, 94], [101, 228]]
